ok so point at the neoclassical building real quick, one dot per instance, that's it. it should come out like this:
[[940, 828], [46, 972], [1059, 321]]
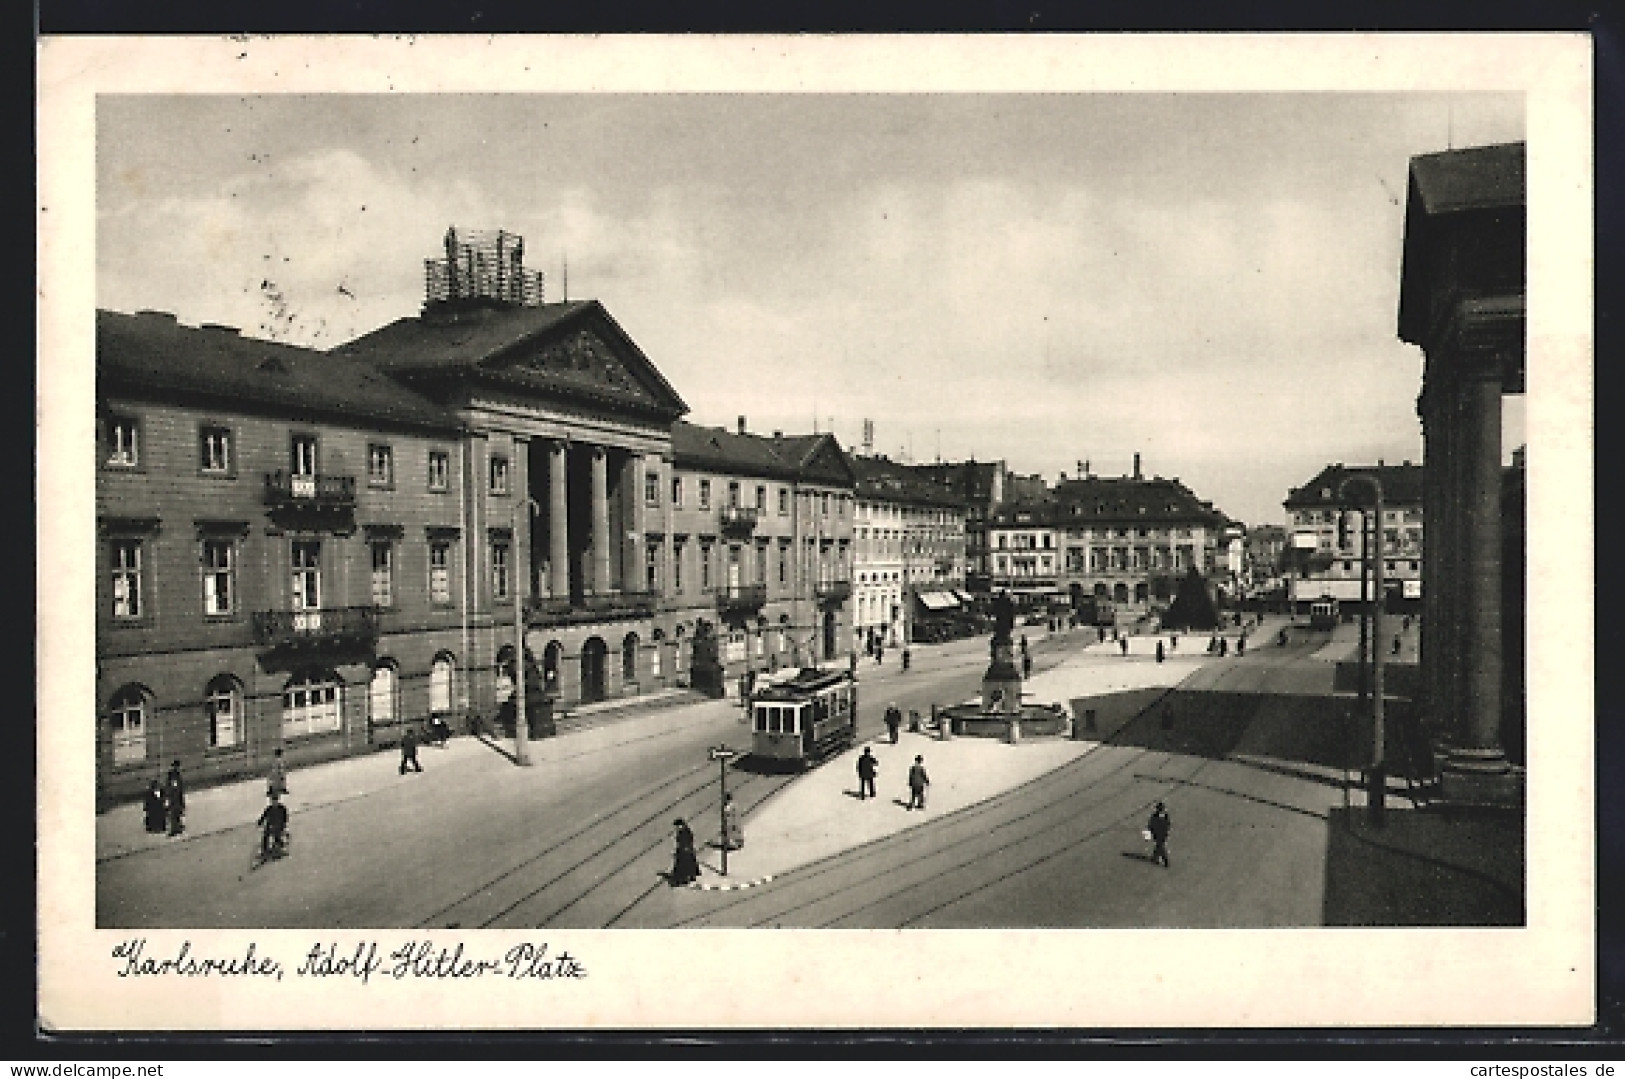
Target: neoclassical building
[[308, 550], [910, 542]]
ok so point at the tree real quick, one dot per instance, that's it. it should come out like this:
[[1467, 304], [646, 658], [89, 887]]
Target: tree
[[1192, 607]]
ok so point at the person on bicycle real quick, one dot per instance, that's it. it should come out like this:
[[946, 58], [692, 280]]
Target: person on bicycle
[[273, 824]]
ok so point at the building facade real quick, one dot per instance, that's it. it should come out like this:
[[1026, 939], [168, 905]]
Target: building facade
[[910, 554], [1328, 535], [980, 487]]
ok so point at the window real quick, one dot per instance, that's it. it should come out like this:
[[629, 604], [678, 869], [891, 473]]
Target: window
[[439, 470], [629, 658], [214, 450], [651, 568], [499, 475], [440, 573], [123, 441], [127, 718], [302, 455], [677, 566], [784, 563], [380, 466], [761, 497], [705, 494], [311, 705], [383, 574], [677, 492], [126, 578], [705, 567], [307, 575], [440, 673], [823, 504], [381, 695], [733, 494], [651, 488], [784, 501], [500, 583], [222, 703], [659, 639], [219, 577]]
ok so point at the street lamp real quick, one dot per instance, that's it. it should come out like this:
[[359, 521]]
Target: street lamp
[[521, 724], [1377, 779]]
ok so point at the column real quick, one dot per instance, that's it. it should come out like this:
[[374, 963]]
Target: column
[[600, 521], [558, 522], [633, 577], [1432, 537], [1481, 446]]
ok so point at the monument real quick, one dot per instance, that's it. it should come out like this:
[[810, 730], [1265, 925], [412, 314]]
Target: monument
[[1001, 710]]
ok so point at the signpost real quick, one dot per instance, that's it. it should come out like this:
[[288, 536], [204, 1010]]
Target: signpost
[[722, 755]]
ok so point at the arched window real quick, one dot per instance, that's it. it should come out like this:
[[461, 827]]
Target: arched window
[[223, 705], [659, 638], [127, 716], [504, 674], [311, 704], [382, 694], [552, 658], [440, 674], [629, 658]]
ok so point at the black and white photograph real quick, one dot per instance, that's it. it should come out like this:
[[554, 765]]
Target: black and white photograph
[[1059, 512]]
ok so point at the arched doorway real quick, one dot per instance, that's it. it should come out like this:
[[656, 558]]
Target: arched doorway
[[829, 634], [1120, 592], [629, 659], [593, 657], [1142, 592], [552, 660]]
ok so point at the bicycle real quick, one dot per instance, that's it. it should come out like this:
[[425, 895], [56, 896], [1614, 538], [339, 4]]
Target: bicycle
[[279, 849]]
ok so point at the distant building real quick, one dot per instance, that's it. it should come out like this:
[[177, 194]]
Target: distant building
[[1329, 551], [980, 485], [910, 537], [1265, 552]]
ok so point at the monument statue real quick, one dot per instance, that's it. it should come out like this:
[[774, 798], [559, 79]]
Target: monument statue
[[1004, 617]]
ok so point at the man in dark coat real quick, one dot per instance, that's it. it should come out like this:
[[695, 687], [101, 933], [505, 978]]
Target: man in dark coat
[[917, 782], [685, 866], [175, 799], [409, 750], [1160, 654], [894, 720], [273, 824], [153, 808], [1159, 826], [867, 767]]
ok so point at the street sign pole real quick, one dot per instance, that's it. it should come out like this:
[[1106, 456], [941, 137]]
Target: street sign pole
[[722, 755]]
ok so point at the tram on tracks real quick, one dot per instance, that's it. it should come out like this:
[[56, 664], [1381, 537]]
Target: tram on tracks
[[801, 720], [1323, 613]]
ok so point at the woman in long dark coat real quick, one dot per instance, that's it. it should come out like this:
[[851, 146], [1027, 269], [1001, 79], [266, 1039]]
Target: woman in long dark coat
[[153, 808], [685, 867], [175, 799]]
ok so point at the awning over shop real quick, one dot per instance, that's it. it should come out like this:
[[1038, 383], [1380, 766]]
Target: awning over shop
[[963, 597], [938, 601]]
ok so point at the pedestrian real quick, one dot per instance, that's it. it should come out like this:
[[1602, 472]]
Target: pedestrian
[[1122, 645], [906, 657], [880, 653], [852, 663], [1160, 656], [152, 808], [276, 779], [409, 750], [1023, 644], [685, 864], [1241, 645], [1396, 644], [894, 720], [1224, 647], [867, 767], [1405, 623], [1212, 645], [1026, 665], [733, 833], [273, 824], [1158, 827], [917, 782], [175, 799], [1101, 631], [1173, 642]]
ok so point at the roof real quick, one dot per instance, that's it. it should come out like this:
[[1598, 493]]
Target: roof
[[573, 350], [153, 352], [1401, 485], [790, 457], [1089, 500], [1479, 178], [883, 479]]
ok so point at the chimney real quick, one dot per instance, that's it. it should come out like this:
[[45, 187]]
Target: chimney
[[1136, 466], [778, 434], [741, 425], [1379, 462]]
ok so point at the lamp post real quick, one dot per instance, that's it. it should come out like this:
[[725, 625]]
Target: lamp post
[[1377, 778], [521, 723]]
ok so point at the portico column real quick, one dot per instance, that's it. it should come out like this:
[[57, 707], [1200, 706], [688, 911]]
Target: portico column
[[633, 577], [600, 521], [558, 530], [1427, 407], [1481, 448]]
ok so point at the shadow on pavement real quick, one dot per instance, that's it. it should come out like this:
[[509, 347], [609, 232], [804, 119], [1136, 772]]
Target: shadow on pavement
[[1424, 869]]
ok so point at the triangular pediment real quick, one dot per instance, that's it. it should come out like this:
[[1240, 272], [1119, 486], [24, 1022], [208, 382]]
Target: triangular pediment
[[828, 464], [588, 356]]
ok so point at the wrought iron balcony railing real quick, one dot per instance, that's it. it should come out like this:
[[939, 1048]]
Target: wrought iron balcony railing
[[737, 520], [737, 597], [608, 606], [285, 489], [317, 626]]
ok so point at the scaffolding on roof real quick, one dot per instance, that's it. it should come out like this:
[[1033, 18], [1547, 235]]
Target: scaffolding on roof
[[482, 264]]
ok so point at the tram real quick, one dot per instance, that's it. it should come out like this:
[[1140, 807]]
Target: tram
[[803, 719], [1323, 613]]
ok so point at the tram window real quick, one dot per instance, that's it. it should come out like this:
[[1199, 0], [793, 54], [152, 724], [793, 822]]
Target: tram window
[[760, 717]]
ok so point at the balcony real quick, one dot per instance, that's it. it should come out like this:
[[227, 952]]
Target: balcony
[[1023, 582], [317, 628], [833, 589], [737, 599], [737, 520], [607, 607], [285, 489]]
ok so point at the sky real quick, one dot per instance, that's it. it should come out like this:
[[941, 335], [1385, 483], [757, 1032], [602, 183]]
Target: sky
[[1210, 281]]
